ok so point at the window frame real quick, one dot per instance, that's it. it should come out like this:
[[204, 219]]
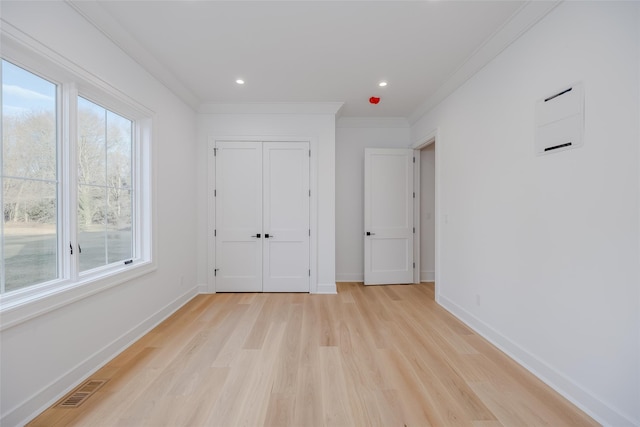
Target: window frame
[[72, 285]]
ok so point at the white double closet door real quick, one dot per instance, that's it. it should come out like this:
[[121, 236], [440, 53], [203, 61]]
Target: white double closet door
[[262, 217]]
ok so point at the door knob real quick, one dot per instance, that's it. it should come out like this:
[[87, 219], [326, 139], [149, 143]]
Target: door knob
[[370, 233], [266, 236], [257, 235]]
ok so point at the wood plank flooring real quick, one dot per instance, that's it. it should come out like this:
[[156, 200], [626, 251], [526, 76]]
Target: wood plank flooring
[[368, 356]]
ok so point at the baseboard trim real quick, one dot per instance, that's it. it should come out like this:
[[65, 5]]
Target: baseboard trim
[[51, 393], [583, 399], [350, 277], [203, 288], [326, 288], [427, 276]]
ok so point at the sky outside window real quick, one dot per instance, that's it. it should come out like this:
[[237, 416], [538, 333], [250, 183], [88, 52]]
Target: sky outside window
[[24, 92]]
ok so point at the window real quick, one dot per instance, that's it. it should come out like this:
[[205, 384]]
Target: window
[[104, 186], [76, 182], [29, 179]]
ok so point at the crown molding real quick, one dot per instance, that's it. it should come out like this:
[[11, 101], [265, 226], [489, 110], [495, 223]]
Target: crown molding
[[330, 108], [97, 16], [373, 122], [520, 22]]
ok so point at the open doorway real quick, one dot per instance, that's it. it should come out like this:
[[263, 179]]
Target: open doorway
[[426, 210]]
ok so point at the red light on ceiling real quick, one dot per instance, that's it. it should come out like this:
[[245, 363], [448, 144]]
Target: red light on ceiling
[[374, 100]]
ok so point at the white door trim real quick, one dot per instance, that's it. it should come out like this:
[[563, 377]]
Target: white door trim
[[211, 202], [417, 265]]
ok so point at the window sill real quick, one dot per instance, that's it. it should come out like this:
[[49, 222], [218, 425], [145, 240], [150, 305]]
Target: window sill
[[20, 310]]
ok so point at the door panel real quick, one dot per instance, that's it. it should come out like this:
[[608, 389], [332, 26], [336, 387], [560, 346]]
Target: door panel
[[389, 255], [286, 217], [388, 248], [238, 217], [239, 270], [389, 196]]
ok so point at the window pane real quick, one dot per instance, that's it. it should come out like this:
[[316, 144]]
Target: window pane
[[104, 206], [92, 213], [119, 225], [29, 179], [30, 243], [118, 151], [92, 155], [29, 145]]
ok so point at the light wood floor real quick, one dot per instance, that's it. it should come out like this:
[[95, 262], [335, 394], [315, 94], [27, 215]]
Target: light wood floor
[[369, 356]]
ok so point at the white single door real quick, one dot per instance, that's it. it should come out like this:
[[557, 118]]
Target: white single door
[[238, 229], [388, 216], [286, 217]]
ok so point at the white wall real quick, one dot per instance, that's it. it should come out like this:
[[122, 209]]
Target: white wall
[[319, 127], [352, 137], [540, 254], [45, 356], [427, 213]]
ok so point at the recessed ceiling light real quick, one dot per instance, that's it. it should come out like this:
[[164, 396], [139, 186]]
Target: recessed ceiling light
[[240, 81], [382, 84]]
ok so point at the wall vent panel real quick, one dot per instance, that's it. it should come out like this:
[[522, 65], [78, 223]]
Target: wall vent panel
[[560, 120]]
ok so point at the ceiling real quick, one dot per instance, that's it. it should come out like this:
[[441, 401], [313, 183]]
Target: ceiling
[[307, 51]]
